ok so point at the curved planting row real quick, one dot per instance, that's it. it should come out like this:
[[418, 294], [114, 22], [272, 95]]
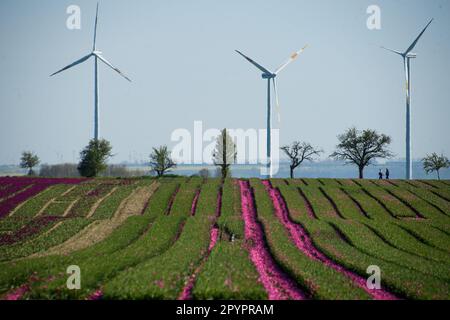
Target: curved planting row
[[228, 273], [304, 243], [231, 239], [171, 274], [37, 186], [277, 284]]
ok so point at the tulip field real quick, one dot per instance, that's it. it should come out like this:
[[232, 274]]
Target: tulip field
[[193, 238]]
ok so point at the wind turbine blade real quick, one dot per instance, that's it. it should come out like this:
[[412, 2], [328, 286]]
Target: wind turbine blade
[[95, 29], [291, 58], [254, 63], [394, 51], [73, 64], [111, 66], [411, 47], [277, 102]]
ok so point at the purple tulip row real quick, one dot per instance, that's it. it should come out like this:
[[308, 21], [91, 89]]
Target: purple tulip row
[[33, 227], [36, 185]]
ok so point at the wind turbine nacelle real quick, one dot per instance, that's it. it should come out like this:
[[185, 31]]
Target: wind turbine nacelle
[[411, 55], [268, 76]]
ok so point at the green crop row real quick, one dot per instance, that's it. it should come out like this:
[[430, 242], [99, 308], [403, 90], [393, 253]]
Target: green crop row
[[427, 234], [109, 206], [420, 206], [344, 204], [13, 274], [322, 207], [182, 203], [294, 201], [442, 205], [33, 206], [228, 273], [230, 220], [331, 183], [397, 278], [320, 280], [165, 275], [373, 208], [85, 202], [402, 240], [44, 240], [394, 205], [365, 239]]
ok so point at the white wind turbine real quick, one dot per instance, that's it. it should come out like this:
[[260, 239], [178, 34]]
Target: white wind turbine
[[271, 76], [407, 56], [97, 56]]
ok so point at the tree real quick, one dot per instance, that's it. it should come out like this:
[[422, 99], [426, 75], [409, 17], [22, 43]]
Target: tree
[[299, 152], [435, 162], [361, 148], [224, 155], [94, 157], [29, 160], [160, 161]]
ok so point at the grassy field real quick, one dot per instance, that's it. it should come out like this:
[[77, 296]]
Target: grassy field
[[189, 238]]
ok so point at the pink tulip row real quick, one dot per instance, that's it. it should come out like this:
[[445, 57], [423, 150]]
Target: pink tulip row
[[277, 284]]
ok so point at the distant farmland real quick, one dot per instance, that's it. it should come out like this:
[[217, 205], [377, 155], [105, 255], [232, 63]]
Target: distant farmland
[[190, 238]]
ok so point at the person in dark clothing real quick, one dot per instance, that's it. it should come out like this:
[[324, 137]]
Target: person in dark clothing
[[380, 175], [387, 173]]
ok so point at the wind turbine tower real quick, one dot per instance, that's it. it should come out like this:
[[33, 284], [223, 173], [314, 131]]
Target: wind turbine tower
[[271, 77], [97, 56], [407, 56]]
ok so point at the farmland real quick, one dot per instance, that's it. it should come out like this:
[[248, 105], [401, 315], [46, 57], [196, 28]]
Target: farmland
[[193, 238]]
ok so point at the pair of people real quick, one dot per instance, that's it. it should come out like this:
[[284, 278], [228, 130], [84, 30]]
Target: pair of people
[[380, 174]]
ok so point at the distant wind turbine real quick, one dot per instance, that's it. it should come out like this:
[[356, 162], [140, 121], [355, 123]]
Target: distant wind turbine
[[407, 56], [271, 76], [97, 56]]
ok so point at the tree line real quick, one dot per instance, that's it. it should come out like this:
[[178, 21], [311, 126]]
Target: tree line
[[360, 148]]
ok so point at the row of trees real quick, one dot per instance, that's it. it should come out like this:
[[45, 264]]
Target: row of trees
[[94, 158], [356, 147], [359, 148]]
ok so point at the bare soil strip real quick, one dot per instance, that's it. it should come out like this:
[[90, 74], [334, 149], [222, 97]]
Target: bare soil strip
[[100, 229], [99, 201]]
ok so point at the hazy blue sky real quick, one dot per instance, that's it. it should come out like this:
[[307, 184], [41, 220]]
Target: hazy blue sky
[[180, 55]]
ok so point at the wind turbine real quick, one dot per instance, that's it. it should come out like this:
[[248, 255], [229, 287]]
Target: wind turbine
[[407, 56], [271, 76], [97, 56]]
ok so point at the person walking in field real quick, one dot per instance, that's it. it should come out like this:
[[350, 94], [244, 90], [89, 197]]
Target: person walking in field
[[380, 175], [387, 174]]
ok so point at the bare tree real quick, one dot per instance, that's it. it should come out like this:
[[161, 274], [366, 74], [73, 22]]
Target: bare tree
[[160, 161], [361, 148], [225, 153], [435, 162], [299, 152]]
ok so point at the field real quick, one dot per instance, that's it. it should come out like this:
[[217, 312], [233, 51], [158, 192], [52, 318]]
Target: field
[[190, 238]]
